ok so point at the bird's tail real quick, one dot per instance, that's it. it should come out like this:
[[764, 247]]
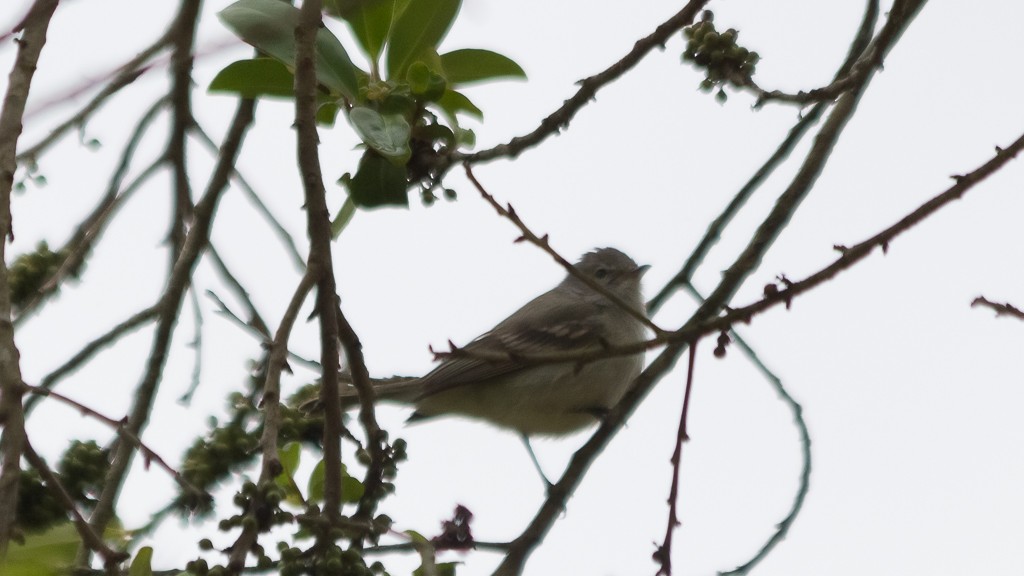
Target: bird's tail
[[398, 390]]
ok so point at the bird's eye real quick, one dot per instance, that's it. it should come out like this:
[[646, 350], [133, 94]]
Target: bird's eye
[[600, 273]]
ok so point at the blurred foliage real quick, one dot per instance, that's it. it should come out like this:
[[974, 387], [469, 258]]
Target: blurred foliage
[[30, 271]]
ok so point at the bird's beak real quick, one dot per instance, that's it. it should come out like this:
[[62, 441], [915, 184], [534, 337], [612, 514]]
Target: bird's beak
[[641, 270]]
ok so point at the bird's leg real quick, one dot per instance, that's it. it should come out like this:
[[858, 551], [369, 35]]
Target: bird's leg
[[536, 463]]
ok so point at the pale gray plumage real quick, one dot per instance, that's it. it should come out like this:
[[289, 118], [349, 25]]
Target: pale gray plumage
[[542, 399]]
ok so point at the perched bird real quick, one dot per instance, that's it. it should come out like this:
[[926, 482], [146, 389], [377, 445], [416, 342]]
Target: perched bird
[[537, 398]]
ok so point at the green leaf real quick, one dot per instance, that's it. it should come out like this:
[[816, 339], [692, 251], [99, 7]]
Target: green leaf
[[475, 65], [418, 77], [388, 134], [453, 103], [326, 113], [269, 25], [421, 27], [370, 21], [344, 216], [351, 489], [255, 78], [45, 554], [289, 457], [378, 182], [315, 491], [424, 83], [142, 563]]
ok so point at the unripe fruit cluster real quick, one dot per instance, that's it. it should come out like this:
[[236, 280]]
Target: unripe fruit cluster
[[723, 59]]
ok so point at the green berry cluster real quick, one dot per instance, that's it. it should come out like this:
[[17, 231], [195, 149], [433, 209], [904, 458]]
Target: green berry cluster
[[724, 61], [83, 468], [260, 509], [211, 459], [81, 472], [38, 508], [332, 561], [30, 271]]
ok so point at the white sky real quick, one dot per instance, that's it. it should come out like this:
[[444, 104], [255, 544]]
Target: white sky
[[913, 398]]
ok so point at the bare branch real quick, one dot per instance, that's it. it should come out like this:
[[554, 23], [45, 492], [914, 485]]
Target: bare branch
[[1005, 309], [169, 307], [90, 350], [663, 555], [250, 193], [12, 415], [320, 263], [127, 74], [119, 427]]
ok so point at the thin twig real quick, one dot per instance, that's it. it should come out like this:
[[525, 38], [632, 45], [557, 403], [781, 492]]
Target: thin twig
[[169, 307], [664, 553], [255, 319], [196, 345], [545, 245], [223, 310], [119, 427], [560, 118], [127, 74], [782, 528], [90, 350], [1005, 309], [247, 189]]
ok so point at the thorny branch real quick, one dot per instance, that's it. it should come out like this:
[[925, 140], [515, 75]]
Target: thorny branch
[[543, 243], [560, 118], [118, 426], [663, 555], [1005, 309]]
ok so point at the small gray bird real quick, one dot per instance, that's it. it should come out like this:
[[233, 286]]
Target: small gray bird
[[541, 399]]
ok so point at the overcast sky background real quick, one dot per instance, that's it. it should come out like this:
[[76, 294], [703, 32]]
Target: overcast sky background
[[913, 399]]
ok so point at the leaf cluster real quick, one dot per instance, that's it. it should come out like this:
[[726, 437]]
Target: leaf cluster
[[405, 108]]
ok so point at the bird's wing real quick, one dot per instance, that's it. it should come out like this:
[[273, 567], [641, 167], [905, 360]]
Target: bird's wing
[[558, 330]]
